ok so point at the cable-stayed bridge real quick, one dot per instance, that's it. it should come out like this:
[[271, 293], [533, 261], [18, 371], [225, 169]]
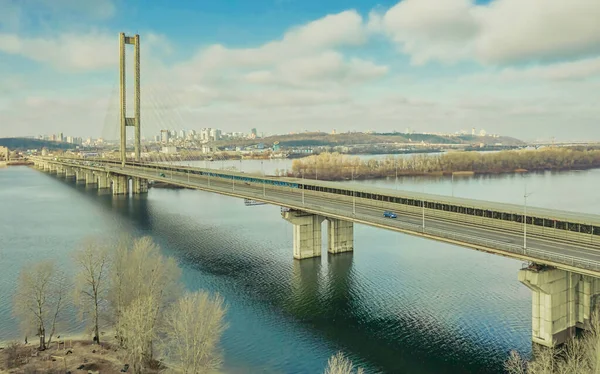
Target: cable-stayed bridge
[[562, 248]]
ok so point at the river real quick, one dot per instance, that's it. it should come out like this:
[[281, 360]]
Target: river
[[398, 304]]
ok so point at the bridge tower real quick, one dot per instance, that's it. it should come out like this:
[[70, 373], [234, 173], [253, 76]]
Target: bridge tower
[[128, 121]]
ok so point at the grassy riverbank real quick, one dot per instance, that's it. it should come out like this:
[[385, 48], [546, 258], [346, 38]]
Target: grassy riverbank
[[334, 166]]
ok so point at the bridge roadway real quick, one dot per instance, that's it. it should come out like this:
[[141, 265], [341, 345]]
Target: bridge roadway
[[566, 255]]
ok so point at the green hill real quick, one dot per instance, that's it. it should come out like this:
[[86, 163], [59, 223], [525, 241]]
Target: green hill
[[28, 143]]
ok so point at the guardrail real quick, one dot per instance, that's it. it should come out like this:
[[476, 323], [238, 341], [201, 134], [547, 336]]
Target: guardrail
[[391, 224]]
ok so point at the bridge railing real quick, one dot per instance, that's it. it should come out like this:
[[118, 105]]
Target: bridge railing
[[406, 226]]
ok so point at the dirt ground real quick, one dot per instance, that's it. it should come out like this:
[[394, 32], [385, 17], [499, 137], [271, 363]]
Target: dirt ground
[[68, 356]]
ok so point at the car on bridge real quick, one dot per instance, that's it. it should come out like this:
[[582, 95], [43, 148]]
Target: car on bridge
[[161, 175], [388, 214]]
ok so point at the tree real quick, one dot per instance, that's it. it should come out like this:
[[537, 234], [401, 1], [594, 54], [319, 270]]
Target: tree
[[91, 282], [339, 364], [192, 328], [579, 355], [138, 329], [39, 299], [139, 271]]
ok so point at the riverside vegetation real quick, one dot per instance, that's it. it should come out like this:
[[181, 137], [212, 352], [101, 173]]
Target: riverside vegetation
[[335, 167], [134, 308], [580, 355]]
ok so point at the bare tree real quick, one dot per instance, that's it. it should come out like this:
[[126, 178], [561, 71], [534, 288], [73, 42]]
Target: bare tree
[[91, 281], [140, 271], [192, 328], [138, 330], [515, 364], [39, 299], [339, 364]]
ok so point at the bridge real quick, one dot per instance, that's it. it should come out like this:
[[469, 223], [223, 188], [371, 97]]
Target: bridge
[[561, 248]]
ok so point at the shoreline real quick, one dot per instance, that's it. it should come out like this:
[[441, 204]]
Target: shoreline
[[437, 174]]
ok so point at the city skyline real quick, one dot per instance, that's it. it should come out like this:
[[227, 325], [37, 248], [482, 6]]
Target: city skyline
[[358, 66]]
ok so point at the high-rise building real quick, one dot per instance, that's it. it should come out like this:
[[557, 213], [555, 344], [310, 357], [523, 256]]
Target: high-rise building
[[164, 136], [215, 134], [253, 134], [181, 134]]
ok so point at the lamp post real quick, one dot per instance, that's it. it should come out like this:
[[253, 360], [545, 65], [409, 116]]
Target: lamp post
[[303, 186], [423, 205], [353, 196], [396, 166], [525, 196]]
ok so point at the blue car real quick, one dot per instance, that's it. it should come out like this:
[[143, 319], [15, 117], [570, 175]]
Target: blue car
[[388, 214]]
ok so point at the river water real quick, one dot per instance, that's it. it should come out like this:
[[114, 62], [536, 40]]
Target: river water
[[398, 304]]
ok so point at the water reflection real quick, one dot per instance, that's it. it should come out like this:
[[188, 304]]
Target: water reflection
[[397, 304]]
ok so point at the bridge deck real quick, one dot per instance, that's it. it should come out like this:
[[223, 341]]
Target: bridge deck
[[581, 256]]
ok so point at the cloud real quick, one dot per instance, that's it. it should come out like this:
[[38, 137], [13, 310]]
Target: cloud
[[306, 58], [503, 31], [79, 51], [559, 72]]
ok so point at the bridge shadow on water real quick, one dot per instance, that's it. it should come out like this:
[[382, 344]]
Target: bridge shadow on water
[[318, 294]]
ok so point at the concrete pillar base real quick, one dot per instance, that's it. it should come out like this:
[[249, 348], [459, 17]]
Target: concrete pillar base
[[120, 185], [340, 236], [103, 181], [139, 185], [90, 178], [307, 233], [561, 303], [69, 173]]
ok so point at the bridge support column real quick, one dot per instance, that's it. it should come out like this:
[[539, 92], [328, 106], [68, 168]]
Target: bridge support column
[[120, 185], [139, 185], [69, 172], [103, 182], [307, 233], [90, 178], [562, 301], [60, 171], [80, 176], [340, 235]]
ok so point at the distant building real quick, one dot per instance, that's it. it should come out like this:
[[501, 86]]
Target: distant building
[[164, 136], [169, 150], [182, 134], [215, 134], [473, 131]]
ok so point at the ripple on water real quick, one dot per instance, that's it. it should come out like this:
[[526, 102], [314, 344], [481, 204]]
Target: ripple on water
[[398, 304]]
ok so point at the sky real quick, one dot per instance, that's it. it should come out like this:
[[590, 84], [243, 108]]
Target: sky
[[523, 68]]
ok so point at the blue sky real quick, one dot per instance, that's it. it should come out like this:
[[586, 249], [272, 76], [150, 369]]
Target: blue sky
[[526, 68]]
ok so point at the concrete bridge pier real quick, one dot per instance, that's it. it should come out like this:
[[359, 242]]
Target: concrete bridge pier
[[562, 302], [340, 235], [103, 182], [69, 172], [120, 185], [307, 233], [60, 171], [80, 176], [90, 178], [139, 185]]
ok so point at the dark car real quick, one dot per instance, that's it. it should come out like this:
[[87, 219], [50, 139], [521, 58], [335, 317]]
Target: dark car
[[388, 214]]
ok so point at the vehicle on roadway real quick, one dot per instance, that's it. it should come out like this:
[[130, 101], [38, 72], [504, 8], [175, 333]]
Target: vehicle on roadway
[[388, 214], [161, 175]]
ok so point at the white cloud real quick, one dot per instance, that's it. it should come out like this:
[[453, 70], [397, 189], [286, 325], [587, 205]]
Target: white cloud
[[309, 79], [79, 51], [501, 32], [565, 71]]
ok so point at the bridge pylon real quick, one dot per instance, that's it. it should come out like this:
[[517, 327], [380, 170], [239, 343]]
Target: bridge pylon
[[128, 121]]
